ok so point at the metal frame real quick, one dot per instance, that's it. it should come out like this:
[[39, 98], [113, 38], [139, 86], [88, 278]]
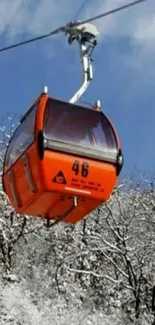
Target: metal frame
[[110, 157], [13, 188], [28, 173], [86, 35], [87, 71]]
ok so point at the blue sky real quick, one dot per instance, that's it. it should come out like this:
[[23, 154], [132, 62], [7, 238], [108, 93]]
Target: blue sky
[[124, 67]]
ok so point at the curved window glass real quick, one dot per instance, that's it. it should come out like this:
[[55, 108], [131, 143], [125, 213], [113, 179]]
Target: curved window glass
[[21, 139], [78, 129]]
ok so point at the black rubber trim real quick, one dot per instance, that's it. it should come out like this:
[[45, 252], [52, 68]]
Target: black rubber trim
[[40, 144]]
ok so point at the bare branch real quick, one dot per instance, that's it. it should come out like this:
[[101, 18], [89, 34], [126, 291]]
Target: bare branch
[[93, 274]]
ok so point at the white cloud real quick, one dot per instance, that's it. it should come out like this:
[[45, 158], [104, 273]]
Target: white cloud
[[137, 22], [41, 17], [44, 15]]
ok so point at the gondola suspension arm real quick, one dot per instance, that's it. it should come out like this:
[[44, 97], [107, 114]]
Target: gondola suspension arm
[[86, 35], [88, 74]]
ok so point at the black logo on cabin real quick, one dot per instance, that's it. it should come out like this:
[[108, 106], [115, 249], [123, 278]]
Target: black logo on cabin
[[59, 178]]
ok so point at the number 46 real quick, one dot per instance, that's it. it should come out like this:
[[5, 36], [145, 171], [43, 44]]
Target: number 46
[[77, 168]]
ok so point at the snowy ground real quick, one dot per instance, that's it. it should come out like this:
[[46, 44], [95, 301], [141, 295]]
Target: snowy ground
[[17, 308]]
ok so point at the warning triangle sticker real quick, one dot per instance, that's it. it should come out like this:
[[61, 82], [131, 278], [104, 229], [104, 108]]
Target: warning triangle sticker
[[59, 178]]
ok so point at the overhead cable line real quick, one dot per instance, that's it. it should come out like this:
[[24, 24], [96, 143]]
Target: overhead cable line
[[110, 12], [64, 28]]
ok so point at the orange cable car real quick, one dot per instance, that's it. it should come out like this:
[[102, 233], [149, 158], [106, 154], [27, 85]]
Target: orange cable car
[[64, 159]]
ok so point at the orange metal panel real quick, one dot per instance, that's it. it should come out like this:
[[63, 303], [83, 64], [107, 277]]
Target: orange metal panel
[[40, 114], [60, 176], [21, 183], [83, 209], [41, 205], [52, 206]]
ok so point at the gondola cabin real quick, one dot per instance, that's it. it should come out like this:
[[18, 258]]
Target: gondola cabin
[[62, 161]]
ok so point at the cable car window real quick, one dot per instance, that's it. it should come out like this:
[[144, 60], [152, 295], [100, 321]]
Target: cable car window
[[78, 125], [21, 139]]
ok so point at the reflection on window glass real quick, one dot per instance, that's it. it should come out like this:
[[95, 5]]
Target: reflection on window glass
[[79, 126], [22, 139]]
